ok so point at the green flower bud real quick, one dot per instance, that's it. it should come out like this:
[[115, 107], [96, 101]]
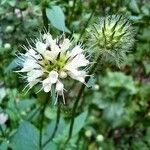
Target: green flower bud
[[88, 133], [7, 46], [112, 37], [100, 138], [9, 29]]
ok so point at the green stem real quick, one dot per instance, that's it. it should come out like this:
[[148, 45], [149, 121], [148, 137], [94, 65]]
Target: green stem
[[78, 99], [41, 124], [45, 19], [56, 126], [86, 25], [34, 113], [2, 131], [72, 12]]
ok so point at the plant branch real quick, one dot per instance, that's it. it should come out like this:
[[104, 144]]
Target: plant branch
[[45, 20], [78, 99], [56, 126], [34, 113], [73, 9], [41, 123], [2, 131], [86, 25]]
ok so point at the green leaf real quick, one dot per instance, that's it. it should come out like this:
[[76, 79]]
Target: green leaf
[[146, 67], [2, 93], [78, 123], [25, 104], [4, 145], [118, 80], [114, 111], [27, 137], [91, 82], [50, 128], [50, 146], [147, 136], [12, 3], [57, 18], [14, 64], [134, 6]]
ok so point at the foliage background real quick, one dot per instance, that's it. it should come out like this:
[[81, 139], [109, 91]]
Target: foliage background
[[114, 113]]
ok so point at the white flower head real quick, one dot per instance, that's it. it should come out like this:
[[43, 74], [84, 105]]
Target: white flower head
[[3, 118], [49, 61]]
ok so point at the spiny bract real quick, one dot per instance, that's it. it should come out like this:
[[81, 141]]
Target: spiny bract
[[112, 37]]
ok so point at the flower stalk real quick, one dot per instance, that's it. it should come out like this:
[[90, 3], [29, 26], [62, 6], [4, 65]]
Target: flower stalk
[[80, 93], [56, 126], [42, 122]]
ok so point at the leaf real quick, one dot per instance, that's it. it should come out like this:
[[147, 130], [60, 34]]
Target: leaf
[[114, 111], [57, 18], [3, 2], [78, 123], [134, 6], [147, 136], [14, 64], [27, 137], [50, 146], [118, 80], [4, 145], [91, 82], [146, 67], [99, 101], [50, 128], [2, 93], [25, 104]]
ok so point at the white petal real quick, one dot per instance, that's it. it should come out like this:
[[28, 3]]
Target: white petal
[[29, 65], [32, 75], [59, 87], [48, 38], [53, 77], [32, 54], [75, 51], [40, 47], [47, 88], [77, 75], [65, 45], [33, 82], [78, 61], [3, 118], [51, 55], [46, 85]]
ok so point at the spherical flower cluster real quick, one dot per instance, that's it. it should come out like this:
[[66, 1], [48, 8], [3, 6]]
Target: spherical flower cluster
[[49, 61], [112, 37]]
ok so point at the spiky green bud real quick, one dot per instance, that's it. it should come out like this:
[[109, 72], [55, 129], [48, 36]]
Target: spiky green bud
[[112, 37]]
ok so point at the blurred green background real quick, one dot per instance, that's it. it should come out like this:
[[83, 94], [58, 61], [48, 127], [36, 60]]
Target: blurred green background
[[114, 113]]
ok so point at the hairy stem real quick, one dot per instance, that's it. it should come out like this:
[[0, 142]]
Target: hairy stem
[[56, 126], [41, 125], [92, 70], [2, 131], [72, 10], [45, 20], [86, 25], [34, 113]]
